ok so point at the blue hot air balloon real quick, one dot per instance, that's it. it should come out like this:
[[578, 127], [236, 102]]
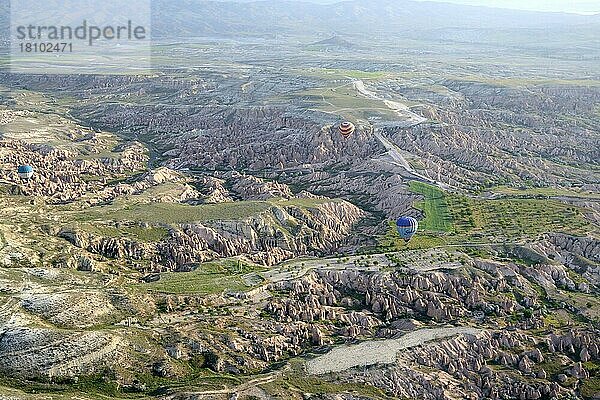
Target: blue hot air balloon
[[25, 171], [407, 227]]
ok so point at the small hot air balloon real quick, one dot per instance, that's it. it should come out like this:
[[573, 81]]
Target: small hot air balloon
[[407, 227], [25, 171], [346, 129]]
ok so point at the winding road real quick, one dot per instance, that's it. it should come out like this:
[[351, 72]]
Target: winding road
[[409, 119]]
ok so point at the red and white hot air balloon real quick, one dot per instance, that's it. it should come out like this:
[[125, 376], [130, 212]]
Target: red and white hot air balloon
[[347, 129]]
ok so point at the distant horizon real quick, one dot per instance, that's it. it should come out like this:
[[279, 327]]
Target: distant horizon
[[583, 7]]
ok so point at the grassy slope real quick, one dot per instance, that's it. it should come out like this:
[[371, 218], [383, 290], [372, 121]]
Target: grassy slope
[[434, 206], [516, 218], [208, 278], [174, 213]]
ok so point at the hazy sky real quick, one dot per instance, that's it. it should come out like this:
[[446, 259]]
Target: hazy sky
[[574, 6], [578, 6]]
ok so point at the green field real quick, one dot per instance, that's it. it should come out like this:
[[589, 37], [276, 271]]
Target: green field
[[434, 206], [174, 213], [515, 82], [545, 191], [294, 384], [334, 73], [515, 219], [454, 219], [209, 278]]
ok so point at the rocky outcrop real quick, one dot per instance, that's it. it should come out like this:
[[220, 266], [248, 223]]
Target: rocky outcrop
[[249, 187], [437, 296], [466, 364], [110, 247], [587, 247], [61, 176], [468, 138], [213, 190], [267, 238]]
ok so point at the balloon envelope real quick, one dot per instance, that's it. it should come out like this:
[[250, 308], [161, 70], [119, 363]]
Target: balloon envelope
[[25, 171], [407, 227], [346, 129]]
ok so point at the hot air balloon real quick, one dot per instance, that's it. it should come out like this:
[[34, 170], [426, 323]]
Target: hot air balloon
[[407, 227], [25, 171], [346, 129]]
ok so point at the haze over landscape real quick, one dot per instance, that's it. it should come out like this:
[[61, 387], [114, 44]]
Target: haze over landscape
[[369, 199], [582, 7], [578, 7]]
